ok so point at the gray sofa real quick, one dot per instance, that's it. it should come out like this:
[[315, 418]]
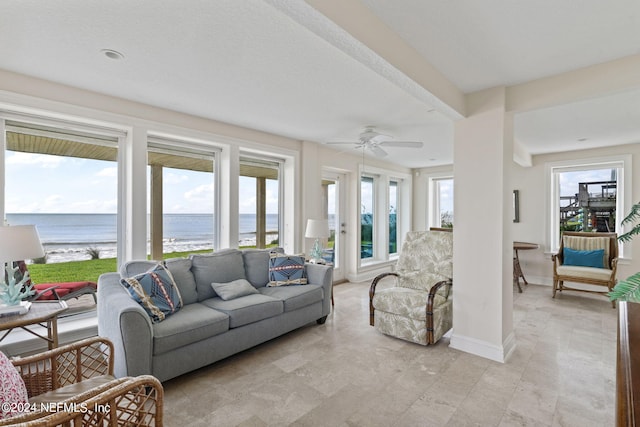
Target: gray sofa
[[207, 328]]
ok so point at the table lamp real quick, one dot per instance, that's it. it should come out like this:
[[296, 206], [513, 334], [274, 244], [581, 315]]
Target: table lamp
[[317, 229], [17, 242]]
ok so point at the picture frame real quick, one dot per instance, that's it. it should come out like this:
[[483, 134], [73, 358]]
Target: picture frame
[[516, 205]]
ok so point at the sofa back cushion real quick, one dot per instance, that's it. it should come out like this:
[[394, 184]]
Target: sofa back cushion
[[256, 265], [180, 269], [222, 266]]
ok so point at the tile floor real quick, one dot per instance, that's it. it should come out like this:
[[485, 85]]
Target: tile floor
[[344, 373]]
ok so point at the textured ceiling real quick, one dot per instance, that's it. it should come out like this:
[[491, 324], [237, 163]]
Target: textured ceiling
[[283, 67]]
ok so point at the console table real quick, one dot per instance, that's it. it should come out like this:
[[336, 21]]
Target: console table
[[44, 314]]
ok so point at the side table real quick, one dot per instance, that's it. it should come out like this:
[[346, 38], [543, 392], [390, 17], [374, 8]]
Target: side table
[[517, 270], [44, 314]]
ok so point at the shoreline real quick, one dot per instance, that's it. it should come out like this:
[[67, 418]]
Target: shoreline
[[57, 252]]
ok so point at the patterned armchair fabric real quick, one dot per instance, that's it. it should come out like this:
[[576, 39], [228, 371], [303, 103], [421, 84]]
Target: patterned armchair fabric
[[419, 307]]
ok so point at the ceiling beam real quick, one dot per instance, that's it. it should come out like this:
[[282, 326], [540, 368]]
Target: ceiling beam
[[595, 81], [376, 46]]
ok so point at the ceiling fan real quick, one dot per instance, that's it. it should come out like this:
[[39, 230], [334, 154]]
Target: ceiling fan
[[372, 140]]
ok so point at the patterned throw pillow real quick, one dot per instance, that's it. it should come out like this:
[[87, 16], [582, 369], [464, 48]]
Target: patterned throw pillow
[[155, 291], [286, 270], [13, 393]]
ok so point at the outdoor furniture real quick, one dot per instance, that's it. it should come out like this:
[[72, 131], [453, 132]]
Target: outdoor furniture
[[76, 383], [58, 291], [589, 258], [419, 307]]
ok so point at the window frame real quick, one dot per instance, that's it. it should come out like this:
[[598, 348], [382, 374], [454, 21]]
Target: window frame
[[623, 198], [433, 213], [189, 147]]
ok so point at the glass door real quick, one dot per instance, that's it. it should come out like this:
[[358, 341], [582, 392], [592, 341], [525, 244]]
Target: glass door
[[333, 204]]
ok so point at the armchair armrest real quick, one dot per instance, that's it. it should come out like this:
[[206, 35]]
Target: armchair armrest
[[69, 364], [127, 325], [447, 284], [372, 292]]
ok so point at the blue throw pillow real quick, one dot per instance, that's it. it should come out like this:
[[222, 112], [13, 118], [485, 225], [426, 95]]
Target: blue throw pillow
[[286, 270], [594, 258], [155, 291]]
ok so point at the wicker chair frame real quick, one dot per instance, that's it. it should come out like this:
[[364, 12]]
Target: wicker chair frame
[[612, 264], [130, 401]]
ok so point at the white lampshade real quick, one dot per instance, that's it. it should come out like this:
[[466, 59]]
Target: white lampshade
[[19, 242], [317, 228]]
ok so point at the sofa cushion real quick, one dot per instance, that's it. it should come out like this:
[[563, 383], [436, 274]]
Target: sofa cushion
[[180, 268], [220, 267], [247, 309], [194, 322], [232, 290], [155, 291], [295, 297], [286, 270], [132, 268], [256, 266]]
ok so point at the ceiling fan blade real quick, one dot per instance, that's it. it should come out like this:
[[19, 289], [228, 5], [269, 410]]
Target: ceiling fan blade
[[408, 144], [343, 142], [377, 150]]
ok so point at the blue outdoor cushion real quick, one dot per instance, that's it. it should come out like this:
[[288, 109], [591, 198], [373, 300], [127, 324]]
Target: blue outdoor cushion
[[155, 291], [594, 258]]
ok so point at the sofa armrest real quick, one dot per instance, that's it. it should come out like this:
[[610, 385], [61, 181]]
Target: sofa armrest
[[127, 325], [320, 274]]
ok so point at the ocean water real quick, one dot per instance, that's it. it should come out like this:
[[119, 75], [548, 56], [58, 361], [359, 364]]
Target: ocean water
[[66, 237]]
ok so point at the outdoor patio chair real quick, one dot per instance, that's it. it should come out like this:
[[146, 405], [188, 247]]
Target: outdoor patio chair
[[58, 291], [418, 307], [588, 258], [74, 385]]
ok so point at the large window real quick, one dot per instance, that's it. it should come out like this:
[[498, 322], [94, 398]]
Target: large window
[[441, 200], [367, 229], [393, 217], [259, 187], [64, 180], [181, 198], [588, 196]]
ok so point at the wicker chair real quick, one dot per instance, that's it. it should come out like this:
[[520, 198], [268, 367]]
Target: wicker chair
[[419, 307], [582, 241], [73, 385]]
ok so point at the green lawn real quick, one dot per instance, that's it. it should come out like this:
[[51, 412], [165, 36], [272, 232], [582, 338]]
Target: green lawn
[[85, 270]]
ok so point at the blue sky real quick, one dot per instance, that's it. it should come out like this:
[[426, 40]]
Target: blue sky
[[55, 184]]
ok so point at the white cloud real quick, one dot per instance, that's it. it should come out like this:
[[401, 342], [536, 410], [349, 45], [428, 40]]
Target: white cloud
[[31, 159], [110, 172], [172, 178]]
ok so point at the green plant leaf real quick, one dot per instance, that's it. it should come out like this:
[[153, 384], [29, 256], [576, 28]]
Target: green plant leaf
[[634, 215], [626, 290]]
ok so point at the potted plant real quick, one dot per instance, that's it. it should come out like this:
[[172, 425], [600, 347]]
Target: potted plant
[[629, 288]]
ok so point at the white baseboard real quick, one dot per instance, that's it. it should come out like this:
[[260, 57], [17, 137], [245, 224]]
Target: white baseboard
[[498, 353]]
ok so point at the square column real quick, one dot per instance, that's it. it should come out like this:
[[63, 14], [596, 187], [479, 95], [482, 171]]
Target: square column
[[483, 247]]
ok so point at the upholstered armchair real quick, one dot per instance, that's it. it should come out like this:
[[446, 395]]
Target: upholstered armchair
[[589, 258], [73, 385], [418, 307]]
